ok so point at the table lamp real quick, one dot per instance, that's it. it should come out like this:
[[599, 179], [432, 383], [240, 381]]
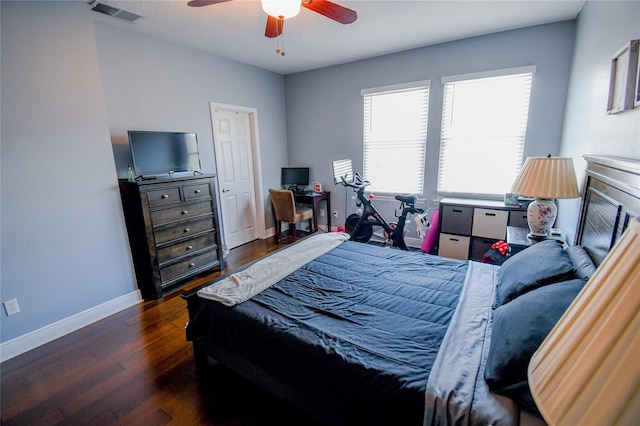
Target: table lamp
[[545, 179], [587, 370]]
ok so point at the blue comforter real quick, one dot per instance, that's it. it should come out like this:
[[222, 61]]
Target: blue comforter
[[356, 330]]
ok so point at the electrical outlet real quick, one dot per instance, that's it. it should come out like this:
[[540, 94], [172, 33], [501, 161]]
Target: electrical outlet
[[334, 213], [11, 306]]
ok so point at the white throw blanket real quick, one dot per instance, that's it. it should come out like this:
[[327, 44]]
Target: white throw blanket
[[245, 284]]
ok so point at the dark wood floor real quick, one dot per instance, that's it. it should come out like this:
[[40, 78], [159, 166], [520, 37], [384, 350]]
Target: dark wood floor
[[136, 367]]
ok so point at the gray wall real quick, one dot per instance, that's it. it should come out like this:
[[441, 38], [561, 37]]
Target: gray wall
[[149, 84], [324, 107], [71, 87], [603, 28], [64, 244]]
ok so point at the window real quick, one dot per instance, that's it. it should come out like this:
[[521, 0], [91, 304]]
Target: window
[[484, 123], [395, 137]]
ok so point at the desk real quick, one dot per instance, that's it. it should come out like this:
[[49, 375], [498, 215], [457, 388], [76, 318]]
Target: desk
[[312, 199]]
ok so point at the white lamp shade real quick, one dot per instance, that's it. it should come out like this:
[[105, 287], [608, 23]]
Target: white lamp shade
[[547, 177], [587, 371], [281, 9]]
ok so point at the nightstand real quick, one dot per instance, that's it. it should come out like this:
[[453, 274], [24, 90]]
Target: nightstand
[[518, 240]]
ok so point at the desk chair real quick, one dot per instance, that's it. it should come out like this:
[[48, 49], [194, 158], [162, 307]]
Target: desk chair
[[285, 210]]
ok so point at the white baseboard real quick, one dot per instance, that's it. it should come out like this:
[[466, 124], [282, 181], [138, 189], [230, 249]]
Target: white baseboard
[[26, 342], [413, 242]]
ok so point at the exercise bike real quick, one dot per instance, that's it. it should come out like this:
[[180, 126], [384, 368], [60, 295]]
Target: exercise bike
[[360, 226]]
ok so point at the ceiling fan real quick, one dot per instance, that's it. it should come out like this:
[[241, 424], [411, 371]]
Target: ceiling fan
[[279, 10]]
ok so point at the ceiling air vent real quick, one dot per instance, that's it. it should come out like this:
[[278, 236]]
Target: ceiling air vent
[[116, 12]]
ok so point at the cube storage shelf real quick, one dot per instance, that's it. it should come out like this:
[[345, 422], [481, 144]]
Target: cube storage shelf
[[468, 227]]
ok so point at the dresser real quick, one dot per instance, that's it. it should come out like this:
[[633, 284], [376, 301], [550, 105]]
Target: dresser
[[468, 227], [173, 230]]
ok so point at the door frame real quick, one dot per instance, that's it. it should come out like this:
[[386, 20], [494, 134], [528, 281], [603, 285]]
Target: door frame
[[256, 160]]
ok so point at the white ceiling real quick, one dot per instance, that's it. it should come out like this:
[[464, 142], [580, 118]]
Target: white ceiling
[[235, 29]]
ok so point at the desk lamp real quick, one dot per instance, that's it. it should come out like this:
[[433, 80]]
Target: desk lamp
[[545, 179], [587, 370]]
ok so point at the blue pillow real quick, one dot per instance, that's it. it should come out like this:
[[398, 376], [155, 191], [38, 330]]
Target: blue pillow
[[543, 263], [585, 267], [520, 326]]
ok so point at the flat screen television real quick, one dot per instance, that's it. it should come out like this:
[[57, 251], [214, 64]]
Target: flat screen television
[[294, 177], [163, 153]]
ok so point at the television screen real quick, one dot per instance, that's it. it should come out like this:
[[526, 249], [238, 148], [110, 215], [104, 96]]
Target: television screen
[[161, 153], [295, 176]]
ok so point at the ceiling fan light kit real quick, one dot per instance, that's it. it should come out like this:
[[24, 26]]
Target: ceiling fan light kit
[[281, 9]]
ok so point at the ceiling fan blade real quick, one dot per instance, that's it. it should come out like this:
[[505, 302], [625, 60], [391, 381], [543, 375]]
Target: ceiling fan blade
[[274, 27], [331, 10], [200, 3]]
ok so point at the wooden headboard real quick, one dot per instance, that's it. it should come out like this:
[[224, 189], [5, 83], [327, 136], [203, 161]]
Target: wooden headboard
[[610, 199]]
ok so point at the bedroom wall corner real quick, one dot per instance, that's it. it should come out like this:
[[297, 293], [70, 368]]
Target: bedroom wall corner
[[602, 29], [150, 84]]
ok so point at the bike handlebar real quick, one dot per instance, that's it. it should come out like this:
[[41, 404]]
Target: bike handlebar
[[358, 181]]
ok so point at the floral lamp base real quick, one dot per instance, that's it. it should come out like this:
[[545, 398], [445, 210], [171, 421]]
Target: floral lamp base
[[541, 216]]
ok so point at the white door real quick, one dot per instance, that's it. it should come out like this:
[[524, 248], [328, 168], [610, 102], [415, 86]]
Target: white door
[[234, 163]]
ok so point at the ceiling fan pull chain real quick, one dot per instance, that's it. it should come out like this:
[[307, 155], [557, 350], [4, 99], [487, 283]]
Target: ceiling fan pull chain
[[282, 44], [280, 36]]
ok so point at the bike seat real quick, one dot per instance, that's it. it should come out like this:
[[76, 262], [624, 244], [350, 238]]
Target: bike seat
[[409, 199]]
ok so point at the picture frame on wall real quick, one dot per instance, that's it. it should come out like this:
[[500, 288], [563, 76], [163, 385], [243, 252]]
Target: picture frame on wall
[[623, 91], [637, 101]]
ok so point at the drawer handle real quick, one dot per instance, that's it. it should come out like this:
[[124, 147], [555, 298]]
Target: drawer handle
[[189, 248], [457, 211], [453, 239], [191, 265], [490, 214], [185, 211], [165, 196], [197, 191], [187, 229]]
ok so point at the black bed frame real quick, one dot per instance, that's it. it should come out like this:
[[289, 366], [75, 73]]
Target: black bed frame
[[610, 199]]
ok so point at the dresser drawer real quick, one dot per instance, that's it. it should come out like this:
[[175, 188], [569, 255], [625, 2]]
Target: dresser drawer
[[490, 223], [454, 246], [184, 229], [456, 219], [187, 247], [163, 197], [193, 192], [518, 218], [187, 266], [185, 211]]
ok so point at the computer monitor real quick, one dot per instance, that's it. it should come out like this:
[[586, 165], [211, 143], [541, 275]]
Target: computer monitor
[[294, 177]]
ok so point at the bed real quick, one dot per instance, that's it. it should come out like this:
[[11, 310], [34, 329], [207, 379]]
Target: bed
[[352, 333]]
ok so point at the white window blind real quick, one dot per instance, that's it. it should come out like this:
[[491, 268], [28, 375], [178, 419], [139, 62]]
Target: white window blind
[[395, 136], [484, 124]]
